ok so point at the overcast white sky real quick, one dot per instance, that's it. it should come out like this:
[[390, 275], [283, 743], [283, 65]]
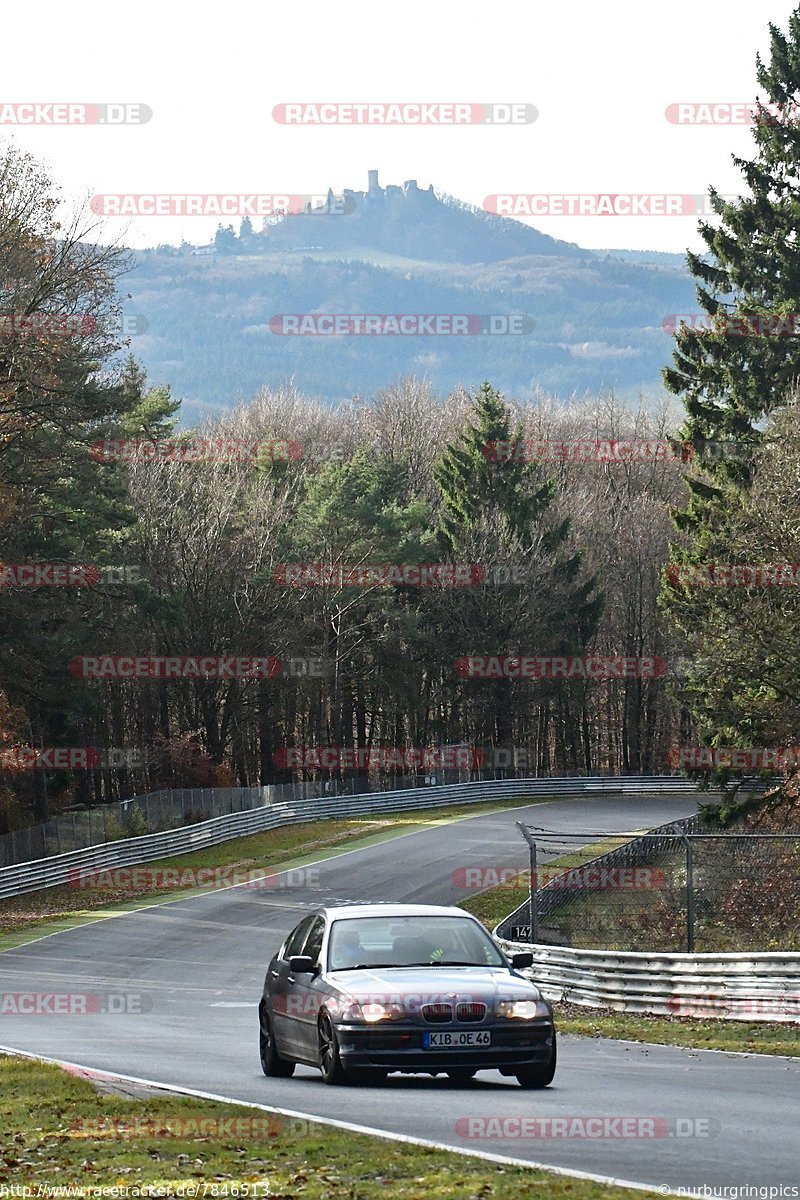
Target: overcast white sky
[[601, 76]]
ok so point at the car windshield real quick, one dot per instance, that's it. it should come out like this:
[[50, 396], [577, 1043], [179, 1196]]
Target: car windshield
[[410, 942]]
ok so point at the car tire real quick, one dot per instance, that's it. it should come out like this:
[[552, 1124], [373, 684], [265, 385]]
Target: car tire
[[271, 1062], [461, 1075], [540, 1075], [330, 1064]]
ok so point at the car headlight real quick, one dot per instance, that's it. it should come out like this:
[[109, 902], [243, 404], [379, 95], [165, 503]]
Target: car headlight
[[522, 1010], [371, 1012]]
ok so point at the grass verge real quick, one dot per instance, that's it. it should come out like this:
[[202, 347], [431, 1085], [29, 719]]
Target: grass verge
[[698, 1033], [495, 903], [65, 1133]]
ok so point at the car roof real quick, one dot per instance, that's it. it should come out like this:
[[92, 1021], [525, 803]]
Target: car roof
[[345, 912]]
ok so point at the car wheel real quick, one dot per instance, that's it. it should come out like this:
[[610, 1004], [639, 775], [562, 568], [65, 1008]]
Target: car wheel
[[329, 1062], [538, 1076], [271, 1062], [461, 1075]]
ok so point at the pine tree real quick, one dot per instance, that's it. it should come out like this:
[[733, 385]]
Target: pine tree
[[495, 508], [475, 478], [732, 374], [732, 377]]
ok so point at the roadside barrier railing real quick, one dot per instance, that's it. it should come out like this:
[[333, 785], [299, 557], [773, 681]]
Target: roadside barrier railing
[[268, 812]]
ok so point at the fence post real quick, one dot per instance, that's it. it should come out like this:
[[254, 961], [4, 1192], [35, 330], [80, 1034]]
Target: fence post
[[689, 897], [533, 900], [533, 895]]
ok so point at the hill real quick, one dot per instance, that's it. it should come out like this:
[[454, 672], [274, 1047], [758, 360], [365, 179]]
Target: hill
[[593, 320]]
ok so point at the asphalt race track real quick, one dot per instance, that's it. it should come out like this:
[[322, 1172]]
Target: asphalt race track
[[197, 967]]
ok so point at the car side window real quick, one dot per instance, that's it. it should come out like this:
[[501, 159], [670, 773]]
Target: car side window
[[313, 943], [297, 937]]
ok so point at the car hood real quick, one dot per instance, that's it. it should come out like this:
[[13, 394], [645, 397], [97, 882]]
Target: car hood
[[465, 983]]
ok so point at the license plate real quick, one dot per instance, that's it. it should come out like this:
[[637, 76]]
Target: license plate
[[452, 1039]]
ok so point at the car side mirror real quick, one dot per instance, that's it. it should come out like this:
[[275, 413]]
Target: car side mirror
[[302, 964], [525, 959]]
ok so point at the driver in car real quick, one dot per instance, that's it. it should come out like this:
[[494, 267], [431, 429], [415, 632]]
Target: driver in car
[[349, 951]]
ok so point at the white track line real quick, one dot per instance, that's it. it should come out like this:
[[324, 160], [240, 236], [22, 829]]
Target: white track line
[[387, 1135]]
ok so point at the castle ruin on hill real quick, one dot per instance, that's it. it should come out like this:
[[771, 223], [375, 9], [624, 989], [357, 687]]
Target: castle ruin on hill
[[374, 194]]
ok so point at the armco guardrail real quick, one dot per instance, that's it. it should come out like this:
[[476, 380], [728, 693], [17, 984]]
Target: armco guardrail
[[77, 829], [744, 987], [170, 809], [49, 872]]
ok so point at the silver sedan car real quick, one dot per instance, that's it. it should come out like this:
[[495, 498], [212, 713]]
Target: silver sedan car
[[363, 990]]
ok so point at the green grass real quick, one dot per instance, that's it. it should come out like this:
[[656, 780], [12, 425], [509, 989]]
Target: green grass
[[758, 1037], [495, 903], [56, 1129], [23, 918]]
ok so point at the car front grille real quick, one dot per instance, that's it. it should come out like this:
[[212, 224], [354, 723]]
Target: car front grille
[[470, 1012], [438, 1014]]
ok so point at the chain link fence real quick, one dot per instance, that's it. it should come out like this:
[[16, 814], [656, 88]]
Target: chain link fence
[[171, 809], [678, 888]]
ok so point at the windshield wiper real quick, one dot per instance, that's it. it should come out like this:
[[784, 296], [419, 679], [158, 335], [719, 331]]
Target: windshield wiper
[[454, 962], [357, 967]]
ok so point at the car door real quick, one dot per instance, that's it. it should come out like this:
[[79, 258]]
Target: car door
[[280, 981], [308, 994]]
